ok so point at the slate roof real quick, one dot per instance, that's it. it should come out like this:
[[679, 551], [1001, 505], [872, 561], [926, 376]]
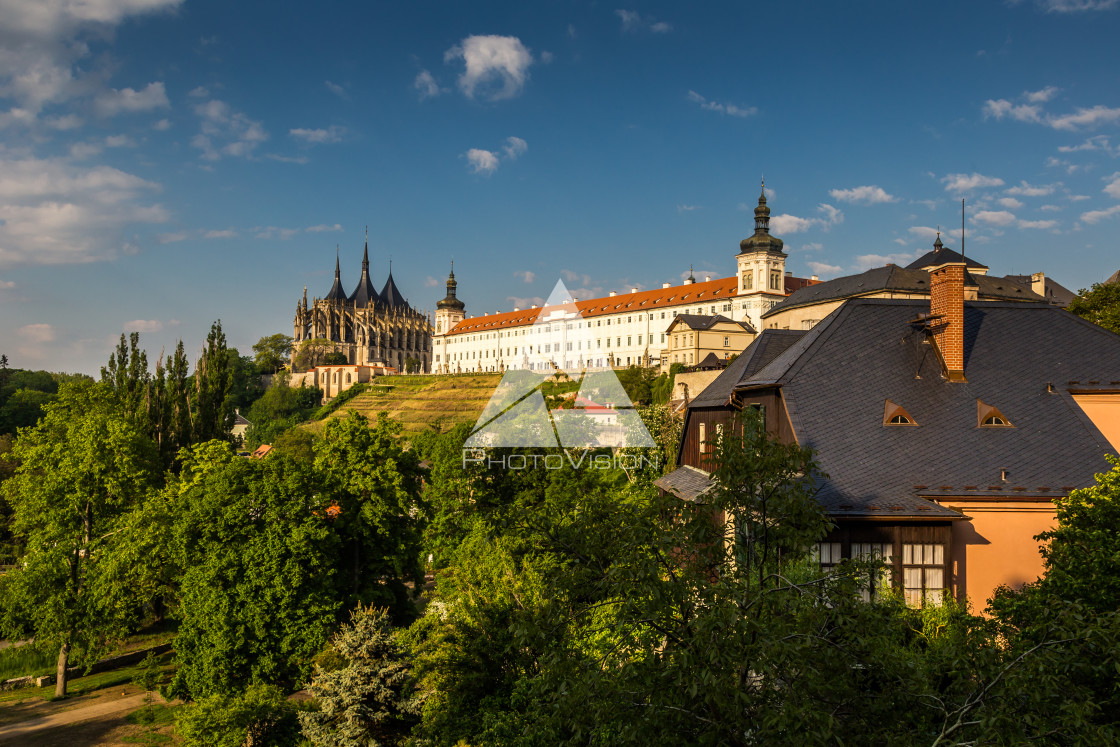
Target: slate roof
[[687, 483], [940, 256], [836, 378], [390, 296], [711, 361], [336, 293], [1056, 293], [365, 294], [1115, 278], [763, 349], [706, 321], [899, 280]]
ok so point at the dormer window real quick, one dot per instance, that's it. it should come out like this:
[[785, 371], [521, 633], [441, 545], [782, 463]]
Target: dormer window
[[988, 416], [896, 415]]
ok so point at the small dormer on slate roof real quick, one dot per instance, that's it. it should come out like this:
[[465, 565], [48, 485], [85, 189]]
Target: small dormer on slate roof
[[705, 321]]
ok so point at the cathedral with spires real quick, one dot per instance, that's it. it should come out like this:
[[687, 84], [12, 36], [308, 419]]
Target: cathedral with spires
[[369, 328]]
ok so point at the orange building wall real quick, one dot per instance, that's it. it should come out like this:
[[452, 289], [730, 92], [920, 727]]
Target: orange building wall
[[1104, 410], [997, 546]]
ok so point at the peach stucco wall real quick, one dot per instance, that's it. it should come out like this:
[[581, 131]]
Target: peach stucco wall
[[1104, 410], [997, 547]]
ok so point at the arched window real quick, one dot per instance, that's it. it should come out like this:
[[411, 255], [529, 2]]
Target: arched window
[[748, 280], [987, 416], [895, 415]]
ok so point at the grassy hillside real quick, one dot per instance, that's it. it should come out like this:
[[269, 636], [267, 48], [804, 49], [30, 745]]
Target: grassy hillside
[[418, 401]]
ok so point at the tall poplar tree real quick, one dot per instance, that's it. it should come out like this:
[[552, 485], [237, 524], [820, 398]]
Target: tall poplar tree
[[213, 383]]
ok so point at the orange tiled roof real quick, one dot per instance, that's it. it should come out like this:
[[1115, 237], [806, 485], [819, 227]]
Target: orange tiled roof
[[657, 298]]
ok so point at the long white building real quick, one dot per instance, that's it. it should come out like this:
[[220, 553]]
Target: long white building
[[619, 330]]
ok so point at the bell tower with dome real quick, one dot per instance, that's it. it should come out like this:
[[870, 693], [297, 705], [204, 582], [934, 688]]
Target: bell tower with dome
[[761, 268]]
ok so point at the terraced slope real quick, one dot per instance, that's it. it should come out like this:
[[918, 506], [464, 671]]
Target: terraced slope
[[418, 401]]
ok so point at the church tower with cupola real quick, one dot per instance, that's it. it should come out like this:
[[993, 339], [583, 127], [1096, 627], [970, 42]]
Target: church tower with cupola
[[761, 268], [449, 310]]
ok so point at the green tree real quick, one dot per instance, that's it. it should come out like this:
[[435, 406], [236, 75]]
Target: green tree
[[279, 409], [311, 353], [212, 412], [245, 380], [127, 374], [412, 365], [257, 553], [23, 408], [1100, 305], [260, 715], [335, 359], [376, 487], [273, 352], [81, 470], [369, 700]]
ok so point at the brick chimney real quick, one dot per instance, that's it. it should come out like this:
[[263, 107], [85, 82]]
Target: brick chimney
[[946, 300]]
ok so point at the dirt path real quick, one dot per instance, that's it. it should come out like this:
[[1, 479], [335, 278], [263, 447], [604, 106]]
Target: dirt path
[[21, 729]]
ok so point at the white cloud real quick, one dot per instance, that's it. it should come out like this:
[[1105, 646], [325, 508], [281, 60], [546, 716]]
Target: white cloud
[[1050, 208], [7, 284], [1041, 96], [966, 182], [869, 194], [821, 268], [1000, 108], [525, 276], [332, 134], [1091, 117], [171, 238], [143, 325], [487, 161], [686, 208], [814, 246], [1112, 189], [43, 43], [929, 233], [337, 90], [867, 261], [832, 214], [482, 161], [931, 204], [430, 282], [547, 57], [1041, 224], [285, 159], [82, 151], [163, 124], [785, 223], [1010, 203], [633, 21], [1027, 190], [1077, 198], [994, 217], [514, 147], [220, 122], [322, 227], [63, 123], [524, 302], [729, 109], [901, 241], [426, 85], [225, 233], [37, 333], [1075, 6], [496, 67], [199, 92], [113, 102], [1096, 142], [55, 211], [119, 141], [1096, 215], [272, 232]]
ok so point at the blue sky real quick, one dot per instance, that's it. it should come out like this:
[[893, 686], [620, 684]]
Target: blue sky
[[164, 163]]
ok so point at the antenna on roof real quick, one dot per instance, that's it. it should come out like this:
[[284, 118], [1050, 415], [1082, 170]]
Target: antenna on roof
[[962, 228]]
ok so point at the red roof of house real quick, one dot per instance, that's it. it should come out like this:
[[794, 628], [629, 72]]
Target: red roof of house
[[657, 298]]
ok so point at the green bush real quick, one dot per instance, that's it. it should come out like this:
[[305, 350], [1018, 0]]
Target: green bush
[[260, 715]]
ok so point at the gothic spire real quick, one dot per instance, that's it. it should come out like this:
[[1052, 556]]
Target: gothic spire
[[336, 294]]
